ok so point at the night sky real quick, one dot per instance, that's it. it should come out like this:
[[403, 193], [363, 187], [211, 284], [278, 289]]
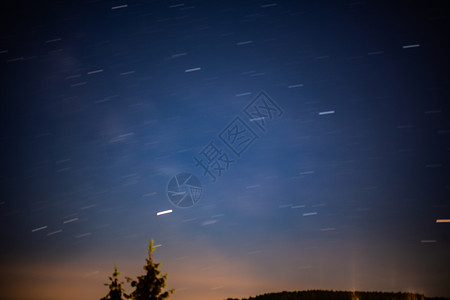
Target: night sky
[[310, 144]]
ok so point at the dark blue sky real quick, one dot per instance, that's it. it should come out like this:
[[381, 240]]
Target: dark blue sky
[[102, 103]]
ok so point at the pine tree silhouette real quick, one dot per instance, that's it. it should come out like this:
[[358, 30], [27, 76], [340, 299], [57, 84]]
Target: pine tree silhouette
[[115, 287], [150, 285]]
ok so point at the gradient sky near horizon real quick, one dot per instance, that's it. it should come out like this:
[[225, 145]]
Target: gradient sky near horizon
[[102, 102]]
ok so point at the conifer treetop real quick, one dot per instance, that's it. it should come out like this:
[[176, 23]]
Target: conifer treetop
[[150, 250]]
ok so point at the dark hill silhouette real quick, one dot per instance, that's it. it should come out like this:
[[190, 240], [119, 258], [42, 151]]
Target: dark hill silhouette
[[339, 295]]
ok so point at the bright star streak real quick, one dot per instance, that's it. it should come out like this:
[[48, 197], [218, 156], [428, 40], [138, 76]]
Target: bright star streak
[[164, 212]]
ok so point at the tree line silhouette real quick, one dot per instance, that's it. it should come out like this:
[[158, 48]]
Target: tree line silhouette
[[339, 295]]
